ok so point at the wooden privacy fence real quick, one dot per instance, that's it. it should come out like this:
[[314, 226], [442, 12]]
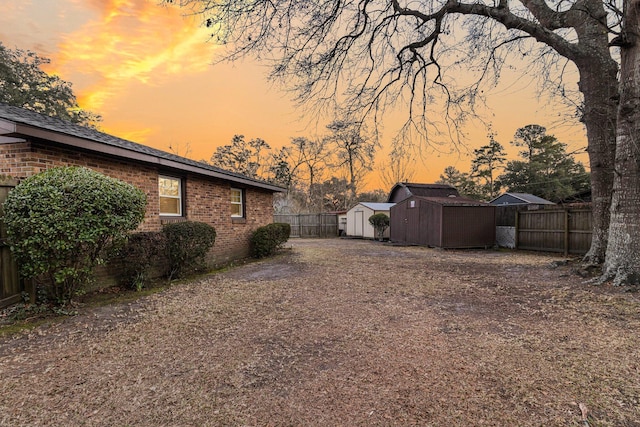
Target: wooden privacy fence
[[567, 230], [11, 287], [310, 225]]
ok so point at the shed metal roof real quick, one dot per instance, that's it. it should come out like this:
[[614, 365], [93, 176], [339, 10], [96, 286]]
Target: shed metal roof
[[377, 206], [17, 123]]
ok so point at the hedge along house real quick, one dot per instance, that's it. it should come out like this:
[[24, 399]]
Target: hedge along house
[[443, 222], [358, 224], [177, 189]]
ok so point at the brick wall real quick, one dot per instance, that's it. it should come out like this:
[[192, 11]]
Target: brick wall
[[206, 199], [29, 158], [209, 201]]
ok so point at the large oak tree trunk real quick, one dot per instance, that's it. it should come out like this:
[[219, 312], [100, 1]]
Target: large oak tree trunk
[[622, 262], [599, 118], [599, 86]]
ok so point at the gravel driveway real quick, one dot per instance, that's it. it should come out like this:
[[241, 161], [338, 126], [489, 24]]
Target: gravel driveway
[[341, 333]]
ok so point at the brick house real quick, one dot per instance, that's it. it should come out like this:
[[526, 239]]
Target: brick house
[[177, 188]]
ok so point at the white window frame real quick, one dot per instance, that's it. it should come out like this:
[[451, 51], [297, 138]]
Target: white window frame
[[240, 203], [179, 197]]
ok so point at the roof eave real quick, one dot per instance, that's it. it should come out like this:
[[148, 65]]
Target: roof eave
[[102, 148]]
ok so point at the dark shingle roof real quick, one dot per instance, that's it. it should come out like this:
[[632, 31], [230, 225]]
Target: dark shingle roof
[[64, 128], [453, 201], [530, 198], [403, 190], [523, 198]]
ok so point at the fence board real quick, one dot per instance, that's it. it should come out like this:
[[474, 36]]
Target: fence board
[[310, 225], [10, 285], [565, 230]]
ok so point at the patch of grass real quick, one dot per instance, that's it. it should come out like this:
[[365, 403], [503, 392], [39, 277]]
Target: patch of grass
[[118, 295], [20, 326], [27, 316], [24, 317]]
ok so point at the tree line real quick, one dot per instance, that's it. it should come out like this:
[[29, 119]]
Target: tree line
[[328, 173], [544, 169], [324, 173]]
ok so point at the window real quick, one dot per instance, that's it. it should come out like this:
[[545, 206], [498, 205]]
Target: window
[[237, 203], [170, 190]]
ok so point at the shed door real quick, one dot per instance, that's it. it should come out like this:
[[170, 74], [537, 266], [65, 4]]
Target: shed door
[[359, 224]]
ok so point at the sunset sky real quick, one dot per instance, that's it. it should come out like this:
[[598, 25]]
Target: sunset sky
[[147, 69]]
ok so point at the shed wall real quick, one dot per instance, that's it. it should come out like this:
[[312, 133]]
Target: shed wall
[[404, 219], [429, 223], [398, 225], [358, 222], [355, 221], [468, 226]]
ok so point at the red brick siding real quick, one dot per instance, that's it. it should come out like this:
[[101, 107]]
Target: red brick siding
[[206, 200], [210, 201], [25, 159]]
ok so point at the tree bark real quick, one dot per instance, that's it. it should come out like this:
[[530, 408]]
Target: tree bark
[[622, 262], [599, 86], [600, 100]]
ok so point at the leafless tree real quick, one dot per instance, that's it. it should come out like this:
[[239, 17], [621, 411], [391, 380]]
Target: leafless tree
[[179, 149], [310, 154], [398, 167], [366, 55], [354, 152]]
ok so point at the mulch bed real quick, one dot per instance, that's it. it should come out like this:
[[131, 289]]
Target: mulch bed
[[341, 333]]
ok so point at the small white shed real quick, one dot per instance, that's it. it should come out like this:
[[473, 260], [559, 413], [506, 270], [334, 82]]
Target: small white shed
[[358, 219]]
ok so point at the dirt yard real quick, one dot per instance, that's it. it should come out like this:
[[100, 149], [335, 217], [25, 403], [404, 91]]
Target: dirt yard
[[342, 333]]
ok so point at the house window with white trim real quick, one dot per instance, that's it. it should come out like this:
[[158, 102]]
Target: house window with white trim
[[237, 203], [170, 190]]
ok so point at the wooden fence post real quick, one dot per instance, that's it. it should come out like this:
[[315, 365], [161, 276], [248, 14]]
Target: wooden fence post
[[566, 232], [11, 285], [517, 229]]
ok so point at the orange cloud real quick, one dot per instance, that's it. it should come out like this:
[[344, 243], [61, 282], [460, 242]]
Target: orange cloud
[[137, 134], [130, 42]]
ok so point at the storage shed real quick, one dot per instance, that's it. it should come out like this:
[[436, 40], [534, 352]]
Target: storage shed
[[358, 219], [443, 222]]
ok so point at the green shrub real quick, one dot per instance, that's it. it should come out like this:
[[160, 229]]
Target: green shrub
[[266, 240], [380, 223], [135, 257], [188, 243], [60, 220]]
